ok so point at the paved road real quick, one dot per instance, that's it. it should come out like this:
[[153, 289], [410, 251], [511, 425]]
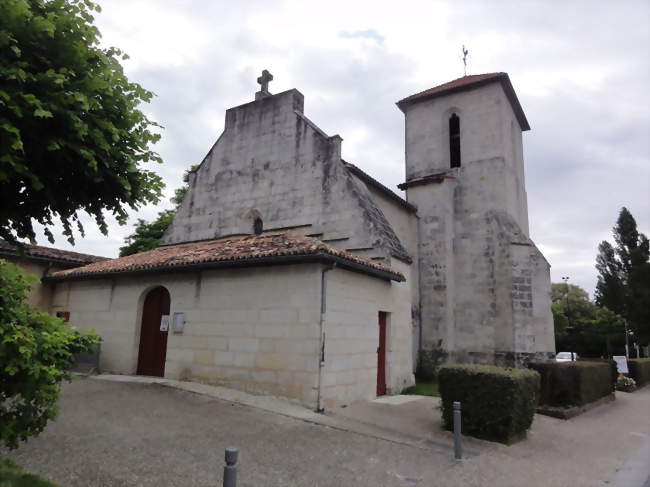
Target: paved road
[[117, 434], [135, 434]]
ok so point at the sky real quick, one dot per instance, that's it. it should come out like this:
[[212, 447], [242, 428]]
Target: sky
[[581, 71]]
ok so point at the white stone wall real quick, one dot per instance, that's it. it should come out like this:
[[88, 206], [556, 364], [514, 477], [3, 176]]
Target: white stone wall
[[468, 226], [273, 163], [405, 224], [255, 329], [351, 329], [489, 131]]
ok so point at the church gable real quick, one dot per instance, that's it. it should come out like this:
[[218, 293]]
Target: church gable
[[274, 170]]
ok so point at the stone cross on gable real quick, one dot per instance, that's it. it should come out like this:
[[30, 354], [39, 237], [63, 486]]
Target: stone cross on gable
[[264, 82]]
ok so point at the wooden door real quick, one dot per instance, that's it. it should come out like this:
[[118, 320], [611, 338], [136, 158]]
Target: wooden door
[[381, 356], [153, 342]]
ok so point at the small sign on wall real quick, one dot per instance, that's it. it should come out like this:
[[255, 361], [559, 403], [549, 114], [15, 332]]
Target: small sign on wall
[[621, 364], [164, 323], [179, 322]]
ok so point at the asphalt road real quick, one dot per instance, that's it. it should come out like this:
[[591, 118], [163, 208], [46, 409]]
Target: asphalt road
[[138, 434], [118, 434]]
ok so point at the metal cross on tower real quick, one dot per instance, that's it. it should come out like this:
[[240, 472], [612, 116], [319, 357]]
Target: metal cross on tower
[[264, 81], [465, 53]]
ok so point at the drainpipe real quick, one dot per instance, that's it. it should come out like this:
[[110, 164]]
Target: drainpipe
[[419, 236], [321, 324]]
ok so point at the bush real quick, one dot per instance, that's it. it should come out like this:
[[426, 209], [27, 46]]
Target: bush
[[12, 475], [612, 366], [497, 403], [639, 370], [429, 361], [565, 384], [37, 351]]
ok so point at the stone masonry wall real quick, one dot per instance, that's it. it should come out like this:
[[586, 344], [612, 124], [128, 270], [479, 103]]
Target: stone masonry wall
[[274, 163], [256, 329], [469, 224], [352, 336]]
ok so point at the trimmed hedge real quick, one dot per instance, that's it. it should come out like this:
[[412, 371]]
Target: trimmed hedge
[[565, 384], [639, 370], [497, 403]]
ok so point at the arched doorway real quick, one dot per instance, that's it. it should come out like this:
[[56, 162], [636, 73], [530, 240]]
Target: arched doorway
[[153, 342]]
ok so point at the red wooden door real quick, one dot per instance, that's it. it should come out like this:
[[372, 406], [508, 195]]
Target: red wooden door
[[153, 342], [381, 356]]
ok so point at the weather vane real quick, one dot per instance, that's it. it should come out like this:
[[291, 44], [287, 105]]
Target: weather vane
[[465, 53]]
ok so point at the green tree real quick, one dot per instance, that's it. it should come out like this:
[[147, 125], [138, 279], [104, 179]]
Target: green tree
[[37, 351], [624, 276], [71, 136], [582, 326], [147, 235]]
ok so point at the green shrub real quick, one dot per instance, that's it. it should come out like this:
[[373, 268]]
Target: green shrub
[[12, 475], [613, 368], [639, 370], [429, 361], [565, 384], [37, 351], [497, 403]]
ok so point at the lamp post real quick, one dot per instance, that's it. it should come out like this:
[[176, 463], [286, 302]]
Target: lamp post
[[567, 310], [627, 347]]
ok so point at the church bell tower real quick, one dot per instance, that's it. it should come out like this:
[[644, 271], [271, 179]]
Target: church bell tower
[[484, 286]]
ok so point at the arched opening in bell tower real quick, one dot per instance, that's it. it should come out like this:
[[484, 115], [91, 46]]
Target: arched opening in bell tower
[[454, 141]]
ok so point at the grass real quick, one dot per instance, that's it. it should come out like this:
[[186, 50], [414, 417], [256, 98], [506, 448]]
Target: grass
[[12, 475], [422, 389]]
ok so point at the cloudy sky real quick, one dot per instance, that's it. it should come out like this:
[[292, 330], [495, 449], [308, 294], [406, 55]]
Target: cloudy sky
[[581, 71]]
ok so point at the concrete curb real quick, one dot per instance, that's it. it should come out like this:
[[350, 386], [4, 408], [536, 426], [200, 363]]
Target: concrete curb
[[286, 408], [572, 412]]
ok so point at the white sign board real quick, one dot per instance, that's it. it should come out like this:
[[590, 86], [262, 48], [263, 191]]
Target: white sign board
[[621, 364], [164, 323]]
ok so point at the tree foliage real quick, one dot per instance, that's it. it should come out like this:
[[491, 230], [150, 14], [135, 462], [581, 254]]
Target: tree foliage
[[583, 327], [624, 276], [147, 235], [36, 352], [71, 136]]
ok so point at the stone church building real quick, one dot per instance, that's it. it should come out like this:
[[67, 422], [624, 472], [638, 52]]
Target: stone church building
[[290, 271]]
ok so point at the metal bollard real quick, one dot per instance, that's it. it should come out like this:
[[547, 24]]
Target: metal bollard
[[458, 447], [230, 470]]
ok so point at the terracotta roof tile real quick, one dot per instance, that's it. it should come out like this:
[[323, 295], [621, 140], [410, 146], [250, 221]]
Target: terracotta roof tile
[[49, 254], [467, 83], [265, 249]]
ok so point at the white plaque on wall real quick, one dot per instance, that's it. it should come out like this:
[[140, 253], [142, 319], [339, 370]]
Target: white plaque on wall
[[164, 323], [179, 322]]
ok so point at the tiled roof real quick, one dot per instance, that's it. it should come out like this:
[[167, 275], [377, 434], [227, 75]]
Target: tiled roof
[[50, 254], [468, 83], [254, 250]]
